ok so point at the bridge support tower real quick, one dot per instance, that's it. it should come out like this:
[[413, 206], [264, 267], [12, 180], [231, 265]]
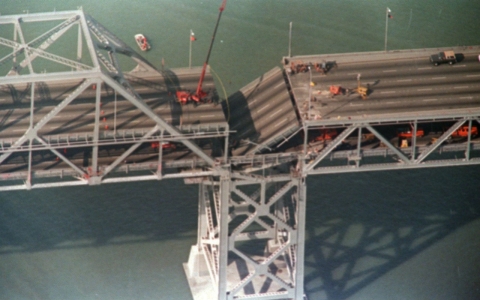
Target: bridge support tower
[[238, 215]]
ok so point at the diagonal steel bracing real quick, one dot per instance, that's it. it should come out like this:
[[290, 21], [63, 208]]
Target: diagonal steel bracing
[[438, 142], [271, 210], [90, 76], [161, 123], [329, 148]]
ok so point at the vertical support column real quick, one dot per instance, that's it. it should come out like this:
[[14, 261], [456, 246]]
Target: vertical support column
[[469, 139], [414, 140], [32, 110], [223, 236], [225, 150], [359, 146], [301, 220], [202, 222], [79, 43], [94, 178], [160, 162]]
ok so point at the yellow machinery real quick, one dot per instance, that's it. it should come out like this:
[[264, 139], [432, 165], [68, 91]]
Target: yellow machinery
[[361, 90]]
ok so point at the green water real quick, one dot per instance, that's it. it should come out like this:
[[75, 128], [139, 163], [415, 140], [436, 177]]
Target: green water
[[141, 232]]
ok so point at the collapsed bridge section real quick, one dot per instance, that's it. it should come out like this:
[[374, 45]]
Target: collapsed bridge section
[[261, 114]]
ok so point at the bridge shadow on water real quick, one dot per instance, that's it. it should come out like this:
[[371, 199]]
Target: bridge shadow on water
[[374, 222], [76, 217], [359, 226]]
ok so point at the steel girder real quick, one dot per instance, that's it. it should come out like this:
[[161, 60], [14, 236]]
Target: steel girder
[[102, 68]]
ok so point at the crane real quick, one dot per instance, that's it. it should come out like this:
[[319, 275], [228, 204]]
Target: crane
[[184, 96]]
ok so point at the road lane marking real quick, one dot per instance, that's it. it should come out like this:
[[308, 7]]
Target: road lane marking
[[439, 77], [360, 104], [461, 87], [469, 98], [280, 123], [207, 116], [250, 129], [426, 100], [403, 80], [390, 102], [475, 75], [388, 71], [388, 92], [272, 115], [263, 108], [459, 66], [426, 68], [422, 90]]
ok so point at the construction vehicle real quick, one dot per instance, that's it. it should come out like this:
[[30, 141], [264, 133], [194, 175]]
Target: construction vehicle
[[336, 90], [165, 145], [463, 131], [361, 90], [408, 132], [200, 95], [299, 67], [326, 134]]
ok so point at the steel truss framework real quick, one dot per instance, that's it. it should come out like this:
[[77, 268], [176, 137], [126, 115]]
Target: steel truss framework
[[329, 157], [239, 212], [102, 51], [436, 153], [238, 215]]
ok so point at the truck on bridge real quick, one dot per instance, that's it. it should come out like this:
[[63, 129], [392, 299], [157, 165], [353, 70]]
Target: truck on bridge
[[443, 57]]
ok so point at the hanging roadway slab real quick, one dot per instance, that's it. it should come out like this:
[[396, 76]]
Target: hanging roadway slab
[[261, 114]]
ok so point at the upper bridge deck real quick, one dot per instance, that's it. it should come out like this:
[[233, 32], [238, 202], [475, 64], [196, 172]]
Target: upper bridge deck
[[401, 84]]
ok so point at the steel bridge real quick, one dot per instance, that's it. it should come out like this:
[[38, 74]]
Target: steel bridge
[[71, 115]]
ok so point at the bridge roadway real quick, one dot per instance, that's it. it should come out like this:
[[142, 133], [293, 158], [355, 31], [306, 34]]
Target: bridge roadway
[[262, 113], [400, 83]]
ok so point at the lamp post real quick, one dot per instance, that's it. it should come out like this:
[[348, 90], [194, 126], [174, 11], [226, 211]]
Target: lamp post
[[192, 37], [387, 16], [290, 41]]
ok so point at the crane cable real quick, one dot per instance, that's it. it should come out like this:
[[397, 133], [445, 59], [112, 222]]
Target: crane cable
[[224, 92], [221, 83]]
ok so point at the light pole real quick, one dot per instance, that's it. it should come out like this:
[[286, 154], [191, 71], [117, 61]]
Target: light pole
[[192, 38], [387, 16], [290, 41]]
